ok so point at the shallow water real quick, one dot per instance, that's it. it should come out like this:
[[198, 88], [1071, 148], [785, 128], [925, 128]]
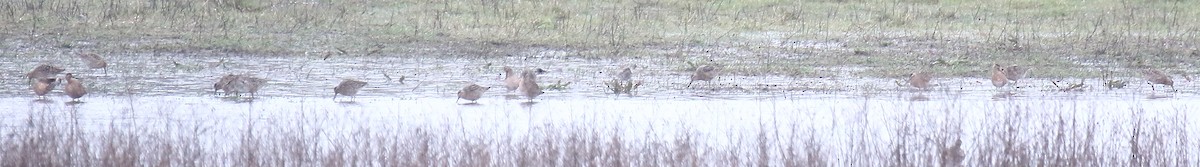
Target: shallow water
[[171, 91]]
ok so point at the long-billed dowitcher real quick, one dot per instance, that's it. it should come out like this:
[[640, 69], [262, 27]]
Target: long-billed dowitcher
[[94, 61], [999, 78], [223, 83], [625, 75], [44, 71], [703, 73], [920, 80], [1157, 77], [529, 86], [74, 88], [252, 85], [348, 87], [43, 86], [471, 92], [245, 84], [511, 80], [1015, 73]]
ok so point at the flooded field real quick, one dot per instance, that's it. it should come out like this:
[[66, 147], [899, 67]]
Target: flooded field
[[151, 109]]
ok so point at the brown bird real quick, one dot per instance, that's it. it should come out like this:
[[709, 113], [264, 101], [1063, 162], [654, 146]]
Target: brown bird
[[625, 74], [223, 83], [999, 78], [703, 73], [74, 88], [920, 80], [529, 86], [43, 86], [1157, 77], [253, 84], [348, 87], [1015, 72], [44, 71], [94, 61], [246, 84], [511, 80], [471, 92]]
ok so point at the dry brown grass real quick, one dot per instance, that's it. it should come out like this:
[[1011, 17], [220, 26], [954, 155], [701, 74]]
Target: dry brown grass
[[1014, 138]]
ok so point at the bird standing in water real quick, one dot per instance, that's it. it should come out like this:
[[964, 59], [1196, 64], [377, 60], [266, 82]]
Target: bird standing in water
[[74, 88], [511, 79], [529, 86], [472, 92], [44, 71], [94, 61], [43, 86], [348, 87], [999, 77], [703, 73], [920, 80], [1157, 77]]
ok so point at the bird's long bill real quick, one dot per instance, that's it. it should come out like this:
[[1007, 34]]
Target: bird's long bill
[[689, 85]]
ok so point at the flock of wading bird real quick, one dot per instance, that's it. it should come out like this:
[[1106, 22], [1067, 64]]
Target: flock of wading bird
[[43, 79], [1001, 75]]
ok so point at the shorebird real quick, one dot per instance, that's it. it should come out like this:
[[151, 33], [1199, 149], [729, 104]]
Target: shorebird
[[625, 74], [43, 86], [348, 87], [44, 71], [1015, 72], [703, 73], [245, 84], [1157, 77], [471, 92], [253, 84], [529, 86], [511, 80], [999, 78], [223, 83], [74, 88], [94, 61], [920, 80]]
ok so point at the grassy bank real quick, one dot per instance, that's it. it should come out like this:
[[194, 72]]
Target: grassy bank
[[958, 38]]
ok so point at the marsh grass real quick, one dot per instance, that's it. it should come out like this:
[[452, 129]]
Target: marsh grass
[[1069, 137], [1070, 35]]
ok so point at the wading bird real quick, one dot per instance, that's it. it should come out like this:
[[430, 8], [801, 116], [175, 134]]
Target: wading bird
[[74, 88], [43, 86], [246, 84], [44, 71], [511, 80], [471, 92], [625, 75], [529, 86], [1157, 77], [1015, 72], [703, 73], [94, 61], [348, 87], [999, 78], [223, 83], [920, 80]]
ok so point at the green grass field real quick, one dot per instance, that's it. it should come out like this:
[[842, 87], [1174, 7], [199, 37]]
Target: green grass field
[[957, 38]]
